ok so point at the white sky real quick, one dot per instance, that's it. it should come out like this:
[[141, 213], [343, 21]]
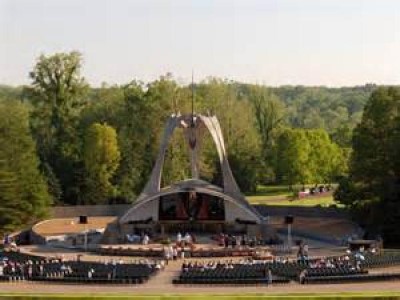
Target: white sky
[[275, 42]]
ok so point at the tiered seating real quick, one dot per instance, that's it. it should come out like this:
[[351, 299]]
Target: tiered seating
[[20, 266], [338, 271], [282, 271], [113, 273], [353, 278], [228, 273], [289, 270], [385, 259], [351, 273]]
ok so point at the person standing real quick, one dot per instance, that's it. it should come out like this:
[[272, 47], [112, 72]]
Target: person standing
[[178, 239], [146, 239], [269, 277], [302, 276], [166, 255], [30, 270], [90, 273]]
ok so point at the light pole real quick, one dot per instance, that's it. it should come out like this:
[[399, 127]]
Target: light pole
[[289, 221], [85, 239]]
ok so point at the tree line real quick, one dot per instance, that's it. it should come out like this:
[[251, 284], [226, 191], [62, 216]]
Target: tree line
[[69, 143]]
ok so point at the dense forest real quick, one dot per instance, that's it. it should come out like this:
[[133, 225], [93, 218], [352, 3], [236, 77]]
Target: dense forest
[[65, 142]]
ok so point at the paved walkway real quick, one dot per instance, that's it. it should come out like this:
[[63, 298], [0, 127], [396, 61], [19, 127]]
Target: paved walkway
[[158, 285]]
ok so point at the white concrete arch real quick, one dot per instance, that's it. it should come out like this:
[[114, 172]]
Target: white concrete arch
[[193, 127], [139, 211]]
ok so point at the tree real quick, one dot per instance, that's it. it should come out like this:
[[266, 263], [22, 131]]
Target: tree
[[24, 197], [293, 157], [101, 156], [136, 139], [268, 113], [372, 189], [57, 93], [10, 210], [163, 97], [342, 136], [235, 113], [325, 160]]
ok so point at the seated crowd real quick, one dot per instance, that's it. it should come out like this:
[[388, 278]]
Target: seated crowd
[[346, 268], [16, 266], [229, 272], [351, 267]]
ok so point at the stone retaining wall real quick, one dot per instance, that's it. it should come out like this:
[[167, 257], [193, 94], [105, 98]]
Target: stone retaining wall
[[90, 210]]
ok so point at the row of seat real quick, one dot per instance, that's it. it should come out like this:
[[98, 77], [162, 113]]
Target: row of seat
[[82, 280], [380, 260], [350, 279], [18, 266], [339, 271], [258, 272], [274, 280], [229, 273]]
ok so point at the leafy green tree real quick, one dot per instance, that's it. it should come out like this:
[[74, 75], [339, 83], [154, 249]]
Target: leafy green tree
[[163, 97], [252, 118], [293, 157], [10, 210], [58, 93], [322, 107], [325, 159], [236, 115], [136, 140], [342, 135], [269, 116], [373, 188], [101, 156], [245, 149], [24, 197]]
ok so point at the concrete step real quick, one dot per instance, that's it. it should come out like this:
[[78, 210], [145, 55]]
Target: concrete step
[[165, 276]]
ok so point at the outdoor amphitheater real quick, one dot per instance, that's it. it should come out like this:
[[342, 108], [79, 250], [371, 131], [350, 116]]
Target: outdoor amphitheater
[[196, 237]]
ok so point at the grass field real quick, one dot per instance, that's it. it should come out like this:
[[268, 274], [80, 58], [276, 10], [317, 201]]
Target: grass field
[[324, 201], [280, 195]]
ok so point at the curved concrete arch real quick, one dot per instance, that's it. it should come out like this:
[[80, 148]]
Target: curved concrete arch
[[153, 185], [225, 197], [200, 123]]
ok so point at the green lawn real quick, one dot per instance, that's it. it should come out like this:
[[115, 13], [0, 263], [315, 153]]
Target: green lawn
[[280, 195], [324, 201], [273, 190]]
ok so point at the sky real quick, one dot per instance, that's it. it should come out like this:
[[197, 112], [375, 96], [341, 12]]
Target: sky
[[272, 42]]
